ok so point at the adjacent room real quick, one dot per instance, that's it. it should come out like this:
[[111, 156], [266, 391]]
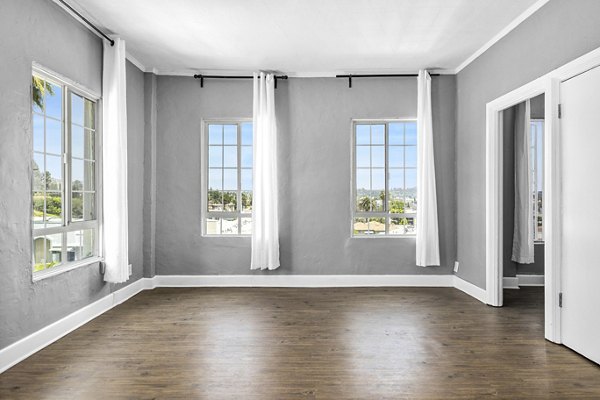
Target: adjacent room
[[284, 199]]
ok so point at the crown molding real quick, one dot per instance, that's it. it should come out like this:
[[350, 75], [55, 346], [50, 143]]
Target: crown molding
[[507, 29]]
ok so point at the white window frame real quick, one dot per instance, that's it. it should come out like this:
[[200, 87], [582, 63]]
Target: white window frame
[[204, 148], [68, 86], [382, 214], [534, 146]]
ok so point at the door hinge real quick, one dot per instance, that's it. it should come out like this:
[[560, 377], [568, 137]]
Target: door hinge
[[560, 111], [560, 297]]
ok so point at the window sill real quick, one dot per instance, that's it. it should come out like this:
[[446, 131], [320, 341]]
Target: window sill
[[38, 276]]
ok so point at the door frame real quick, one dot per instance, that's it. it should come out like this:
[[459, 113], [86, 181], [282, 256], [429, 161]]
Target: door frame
[[548, 84]]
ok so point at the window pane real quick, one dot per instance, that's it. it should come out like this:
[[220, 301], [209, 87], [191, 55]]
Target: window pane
[[410, 135], [89, 145], [411, 190], [363, 156], [230, 156], [53, 136], [38, 133], [38, 210], [215, 200], [377, 226], [378, 189], [230, 201], [215, 156], [53, 99], [363, 134], [246, 226], [229, 226], [396, 183], [246, 202], [246, 157], [53, 209], [82, 143], [47, 251], [363, 179], [76, 109], [378, 156], [213, 226], [38, 171], [410, 154], [247, 133], [82, 175], [38, 88], [396, 135], [230, 134], [83, 206], [402, 226], [246, 179], [377, 134], [77, 141], [215, 178], [89, 114], [396, 156], [53, 176], [230, 179], [80, 244], [215, 134], [369, 226]]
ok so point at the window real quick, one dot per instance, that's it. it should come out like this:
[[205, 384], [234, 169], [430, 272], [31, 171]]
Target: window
[[64, 194], [537, 177], [227, 178], [384, 178]]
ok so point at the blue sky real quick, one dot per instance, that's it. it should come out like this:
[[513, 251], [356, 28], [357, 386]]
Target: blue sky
[[402, 152], [222, 157]]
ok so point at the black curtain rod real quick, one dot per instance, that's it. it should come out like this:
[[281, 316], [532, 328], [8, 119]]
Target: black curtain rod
[[202, 77], [84, 19], [350, 76]]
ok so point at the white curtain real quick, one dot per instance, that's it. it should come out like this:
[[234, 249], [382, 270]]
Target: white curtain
[[428, 247], [114, 163], [522, 251], [265, 226]]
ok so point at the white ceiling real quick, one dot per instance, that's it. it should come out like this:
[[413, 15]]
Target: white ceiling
[[304, 37]]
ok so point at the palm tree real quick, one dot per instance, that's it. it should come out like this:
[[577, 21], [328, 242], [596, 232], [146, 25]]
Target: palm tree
[[365, 203], [39, 89]]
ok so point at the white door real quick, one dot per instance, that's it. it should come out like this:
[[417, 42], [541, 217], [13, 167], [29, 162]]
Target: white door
[[580, 180]]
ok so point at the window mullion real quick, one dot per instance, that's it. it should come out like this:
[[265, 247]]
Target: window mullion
[[239, 177], [386, 172], [66, 189]]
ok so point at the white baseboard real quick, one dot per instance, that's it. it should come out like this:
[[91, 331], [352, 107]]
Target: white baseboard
[[510, 282], [515, 282], [303, 280], [531, 280], [31, 344], [470, 289]]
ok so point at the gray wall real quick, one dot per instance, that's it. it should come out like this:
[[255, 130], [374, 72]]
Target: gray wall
[[36, 30], [511, 268], [559, 32], [314, 118]]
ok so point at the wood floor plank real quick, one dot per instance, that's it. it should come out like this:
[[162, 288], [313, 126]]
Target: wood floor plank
[[292, 343]]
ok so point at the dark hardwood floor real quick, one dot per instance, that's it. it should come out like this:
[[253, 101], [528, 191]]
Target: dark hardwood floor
[[346, 343]]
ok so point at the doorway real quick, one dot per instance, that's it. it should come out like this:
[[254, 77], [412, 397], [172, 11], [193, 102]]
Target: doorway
[[550, 85]]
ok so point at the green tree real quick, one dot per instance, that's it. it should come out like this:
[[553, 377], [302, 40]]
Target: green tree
[[39, 89], [365, 203]]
